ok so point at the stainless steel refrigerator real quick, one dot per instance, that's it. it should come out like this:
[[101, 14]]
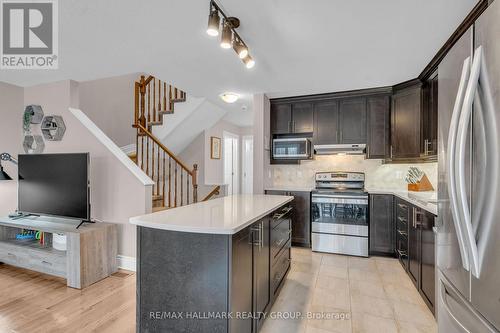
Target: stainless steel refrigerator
[[468, 225]]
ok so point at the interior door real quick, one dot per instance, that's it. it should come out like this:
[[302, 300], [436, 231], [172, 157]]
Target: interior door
[[247, 165], [449, 259], [231, 172], [485, 209], [353, 120]]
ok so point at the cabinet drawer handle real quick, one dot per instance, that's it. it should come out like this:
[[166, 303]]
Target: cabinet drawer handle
[[402, 206], [402, 253], [402, 233]]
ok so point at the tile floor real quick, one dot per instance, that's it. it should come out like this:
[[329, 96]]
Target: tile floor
[[359, 294]]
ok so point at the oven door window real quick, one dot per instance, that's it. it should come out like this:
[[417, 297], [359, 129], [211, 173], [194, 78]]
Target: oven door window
[[340, 211]]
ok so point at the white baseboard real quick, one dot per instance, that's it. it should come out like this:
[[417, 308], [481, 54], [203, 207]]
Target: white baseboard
[[127, 263]]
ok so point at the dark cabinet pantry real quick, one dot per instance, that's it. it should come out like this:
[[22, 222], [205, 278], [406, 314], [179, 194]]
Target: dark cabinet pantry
[[405, 122], [379, 126], [382, 237]]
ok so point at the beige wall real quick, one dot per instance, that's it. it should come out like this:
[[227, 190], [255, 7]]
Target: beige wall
[[11, 115], [116, 194], [109, 103]]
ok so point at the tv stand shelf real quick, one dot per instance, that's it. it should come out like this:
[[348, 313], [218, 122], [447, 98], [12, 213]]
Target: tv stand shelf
[[90, 255]]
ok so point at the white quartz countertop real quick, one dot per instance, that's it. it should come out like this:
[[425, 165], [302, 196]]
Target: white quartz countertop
[[424, 200], [290, 188], [226, 215]]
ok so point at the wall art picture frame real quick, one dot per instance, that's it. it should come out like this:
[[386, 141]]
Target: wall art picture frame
[[215, 148]]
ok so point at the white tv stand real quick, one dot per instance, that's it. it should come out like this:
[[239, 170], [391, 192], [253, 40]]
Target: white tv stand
[[90, 255]]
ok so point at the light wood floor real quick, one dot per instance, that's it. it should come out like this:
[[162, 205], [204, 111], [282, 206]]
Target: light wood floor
[[33, 302], [375, 294]]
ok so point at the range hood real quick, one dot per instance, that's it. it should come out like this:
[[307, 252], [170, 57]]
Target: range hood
[[347, 149]]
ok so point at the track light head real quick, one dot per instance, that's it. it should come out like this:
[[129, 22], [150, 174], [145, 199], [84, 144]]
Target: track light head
[[248, 61], [227, 35], [240, 48], [213, 23]]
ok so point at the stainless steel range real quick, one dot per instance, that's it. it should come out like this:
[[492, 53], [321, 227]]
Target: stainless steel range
[[340, 213]]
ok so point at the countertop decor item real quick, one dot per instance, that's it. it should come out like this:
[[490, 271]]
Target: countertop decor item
[[215, 148], [417, 180], [9, 158]]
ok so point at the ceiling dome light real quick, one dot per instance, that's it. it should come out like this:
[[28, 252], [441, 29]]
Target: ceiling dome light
[[249, 62], [227, 35], [240, 48], [229, 97], [213, 23]]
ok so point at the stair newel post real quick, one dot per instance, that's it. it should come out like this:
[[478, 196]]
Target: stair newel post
[[187, 189], [149, 105], [142, 91], [195, 182], [170, 102]]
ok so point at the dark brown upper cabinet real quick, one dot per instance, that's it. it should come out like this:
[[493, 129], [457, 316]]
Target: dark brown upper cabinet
[[379, 127], [302, 117], [405, 122], [289, 118], [281, 118], [352, 120], [428, 144], [326, 117]]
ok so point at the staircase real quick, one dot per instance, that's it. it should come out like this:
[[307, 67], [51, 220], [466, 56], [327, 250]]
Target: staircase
[[175, 182]]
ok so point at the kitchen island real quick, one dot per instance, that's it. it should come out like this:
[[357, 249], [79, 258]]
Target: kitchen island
[[213, 266]]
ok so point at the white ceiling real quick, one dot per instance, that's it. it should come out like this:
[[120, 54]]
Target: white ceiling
[[300, 47]]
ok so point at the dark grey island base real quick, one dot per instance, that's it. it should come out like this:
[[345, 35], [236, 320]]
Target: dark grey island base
[[201, 282]]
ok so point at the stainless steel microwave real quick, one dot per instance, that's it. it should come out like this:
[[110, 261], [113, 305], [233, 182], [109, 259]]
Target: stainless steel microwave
[[292, 149]]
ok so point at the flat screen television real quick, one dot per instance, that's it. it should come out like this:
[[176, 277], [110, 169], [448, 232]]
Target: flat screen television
[[55, 185]]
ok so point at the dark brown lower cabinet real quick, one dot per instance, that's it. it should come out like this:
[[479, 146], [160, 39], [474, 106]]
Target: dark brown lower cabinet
[[419, 258], [301, 216], [427, 258], [382, 237]]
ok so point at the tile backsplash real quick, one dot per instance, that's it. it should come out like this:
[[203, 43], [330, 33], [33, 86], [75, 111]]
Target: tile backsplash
[[378, 175]]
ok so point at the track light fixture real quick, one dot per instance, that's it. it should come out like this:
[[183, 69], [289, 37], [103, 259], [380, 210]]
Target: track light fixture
[[213, 22], [229, 36]]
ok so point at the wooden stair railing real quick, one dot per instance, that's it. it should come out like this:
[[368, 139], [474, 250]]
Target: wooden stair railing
[[215, 191], [175, 182]]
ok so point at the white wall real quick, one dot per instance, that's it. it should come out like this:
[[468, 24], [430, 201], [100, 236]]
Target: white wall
[[11, 115], [116, 194], [261, 137], [109, 103]]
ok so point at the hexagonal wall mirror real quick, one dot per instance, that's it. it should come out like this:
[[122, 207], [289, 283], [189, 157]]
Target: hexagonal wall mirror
[[33, 144], [53, 128]]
